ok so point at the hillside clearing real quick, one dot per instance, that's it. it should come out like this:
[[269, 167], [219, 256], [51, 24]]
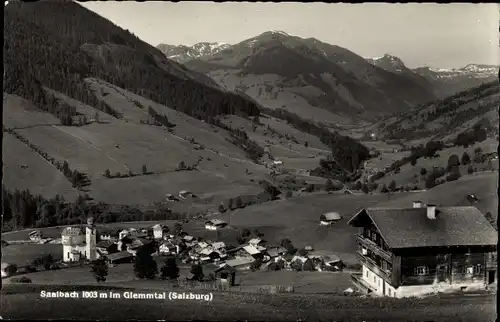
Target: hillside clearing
[[24, 168]]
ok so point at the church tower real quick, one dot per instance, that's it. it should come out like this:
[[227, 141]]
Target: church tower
[[90, 238]]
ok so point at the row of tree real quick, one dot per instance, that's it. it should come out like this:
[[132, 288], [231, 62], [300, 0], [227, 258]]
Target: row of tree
[[22, 209], [76, 178]]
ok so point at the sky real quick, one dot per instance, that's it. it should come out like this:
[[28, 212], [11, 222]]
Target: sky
[[434, 35]]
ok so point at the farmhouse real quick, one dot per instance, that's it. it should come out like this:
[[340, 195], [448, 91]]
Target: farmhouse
[[329, 218], [256, 241], [215, 224], [252, 251], [120, 257], [421, 250], [184, 194], [218, 245], [8, 269], [240, 263], [168, 247], [226, 274], [77, 244], [160, 231], [35, 236], [274, 252], [106, 246]]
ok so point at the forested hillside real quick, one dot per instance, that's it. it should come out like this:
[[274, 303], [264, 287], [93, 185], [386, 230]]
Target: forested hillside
[[447, 118], [56, 43]]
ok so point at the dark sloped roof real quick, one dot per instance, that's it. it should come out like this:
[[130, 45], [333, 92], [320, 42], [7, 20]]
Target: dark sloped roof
[[120, 255], [104, 243], [410, 227]]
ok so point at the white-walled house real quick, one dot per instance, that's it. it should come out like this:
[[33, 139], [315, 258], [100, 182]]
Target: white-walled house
[[215, 224], [329, 218], [160, 231]]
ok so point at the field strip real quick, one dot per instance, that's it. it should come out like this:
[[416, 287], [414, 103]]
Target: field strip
[[76, 190], [108, 156]]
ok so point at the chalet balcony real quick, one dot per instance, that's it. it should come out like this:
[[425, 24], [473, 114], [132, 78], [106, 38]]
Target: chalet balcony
[[374, 247], [370, 263], [362, 286]]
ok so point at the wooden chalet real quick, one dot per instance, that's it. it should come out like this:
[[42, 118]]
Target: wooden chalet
[[424, 249]]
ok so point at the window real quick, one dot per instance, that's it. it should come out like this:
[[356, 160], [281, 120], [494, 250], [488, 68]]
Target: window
[[422, 270], [390, 292], [476, 269], [366, 273], [374, 279]]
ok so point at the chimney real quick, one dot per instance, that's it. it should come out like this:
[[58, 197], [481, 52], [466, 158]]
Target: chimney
[[431, 211], [417, 204]]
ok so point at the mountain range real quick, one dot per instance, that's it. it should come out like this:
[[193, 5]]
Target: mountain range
[[235, 67], [310, 78], [90, 109]]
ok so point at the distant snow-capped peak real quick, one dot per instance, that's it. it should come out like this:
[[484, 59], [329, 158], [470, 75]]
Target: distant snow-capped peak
[[279, 32], [470, 70], [184, 53]]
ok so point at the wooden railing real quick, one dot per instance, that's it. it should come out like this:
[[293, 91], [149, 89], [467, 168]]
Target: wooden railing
[[372, 246], [370, 263]]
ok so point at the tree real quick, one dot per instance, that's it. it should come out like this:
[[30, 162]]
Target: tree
[[289, 194], [47, 261], [302, 252], [287, 244], [222, 209], [478, 150], [256, 264], [392, 185], [329, 185], [230, 203], [197, 272], [170, 269], [470, 169], [490, 218], [96, 117], [145, 267], [453, 161], [454, 174], [240, 240], [238, 202], [177, 228], [489, 165], [413, 161], [306, 144], [384, 189], [144, 169], [308, 265], [430, 182], [364, 188], [107, 173], [310, 187], [358, 185], [100, 269], [182, 165], [423, 171], [245, 232], [465, 159]]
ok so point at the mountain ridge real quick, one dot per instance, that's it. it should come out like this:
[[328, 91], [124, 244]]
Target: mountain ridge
[[328, 78]]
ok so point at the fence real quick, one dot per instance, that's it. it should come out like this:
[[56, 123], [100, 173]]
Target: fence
[[225, 287]]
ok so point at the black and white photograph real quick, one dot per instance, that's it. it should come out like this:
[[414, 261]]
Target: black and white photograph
[[267, 161]]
